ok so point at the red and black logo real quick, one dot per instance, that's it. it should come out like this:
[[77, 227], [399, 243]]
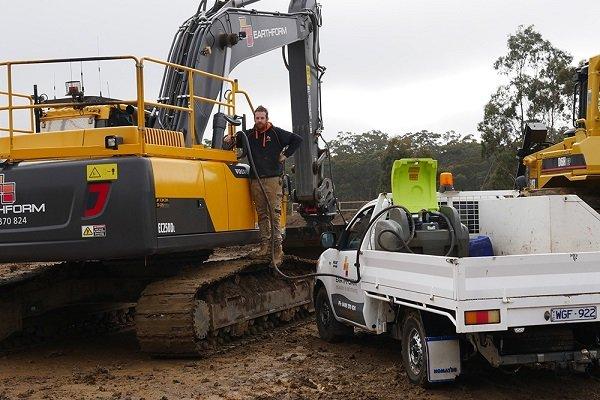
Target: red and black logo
[[7, 191], [244, 27]]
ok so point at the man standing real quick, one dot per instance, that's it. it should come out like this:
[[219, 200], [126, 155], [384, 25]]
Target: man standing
[[270, 147]]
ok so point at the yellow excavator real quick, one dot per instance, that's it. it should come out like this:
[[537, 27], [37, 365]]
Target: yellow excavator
[[572, 165], [125, 195]]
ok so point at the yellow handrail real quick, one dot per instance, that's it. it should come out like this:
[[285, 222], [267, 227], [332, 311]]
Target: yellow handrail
[[31, 117], [229, 103]]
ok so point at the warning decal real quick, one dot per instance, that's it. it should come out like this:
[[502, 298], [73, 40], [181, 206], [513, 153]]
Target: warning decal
[[413, 173], [92, 231], [101, 172]]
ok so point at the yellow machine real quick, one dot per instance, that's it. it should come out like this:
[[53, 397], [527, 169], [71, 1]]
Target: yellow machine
[[127, 195], [574, 162]]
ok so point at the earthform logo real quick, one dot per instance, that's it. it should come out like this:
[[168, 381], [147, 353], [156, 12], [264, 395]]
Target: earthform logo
[[7, 191], [244, 27], [252, 35]]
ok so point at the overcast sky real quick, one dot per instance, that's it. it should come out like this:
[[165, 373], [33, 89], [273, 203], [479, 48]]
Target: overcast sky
[[397, 66]]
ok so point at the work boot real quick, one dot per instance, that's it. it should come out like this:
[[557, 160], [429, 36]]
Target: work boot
[[262, 252], [278, 254]]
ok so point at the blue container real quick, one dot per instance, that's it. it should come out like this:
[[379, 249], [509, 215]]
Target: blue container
[[480, 246]]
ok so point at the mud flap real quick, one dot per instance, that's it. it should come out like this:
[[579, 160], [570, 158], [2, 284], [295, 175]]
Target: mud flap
[[443, 358]]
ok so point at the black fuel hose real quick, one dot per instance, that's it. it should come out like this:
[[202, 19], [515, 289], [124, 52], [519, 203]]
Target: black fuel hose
[[410, 238], [450, 231], [246, 143], [373, 220]]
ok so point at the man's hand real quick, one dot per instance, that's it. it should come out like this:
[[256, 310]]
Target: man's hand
[[228, 139], [282, 157]]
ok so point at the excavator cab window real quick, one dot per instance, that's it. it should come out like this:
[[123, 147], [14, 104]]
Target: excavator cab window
[[580, 94], [119, 117]]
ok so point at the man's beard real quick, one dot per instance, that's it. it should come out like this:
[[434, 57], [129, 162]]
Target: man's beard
[[260, 125]]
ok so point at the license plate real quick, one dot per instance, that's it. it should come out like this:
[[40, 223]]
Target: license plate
[[573, 313]]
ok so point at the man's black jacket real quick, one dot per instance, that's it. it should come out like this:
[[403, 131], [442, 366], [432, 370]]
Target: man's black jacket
[[267, 146]]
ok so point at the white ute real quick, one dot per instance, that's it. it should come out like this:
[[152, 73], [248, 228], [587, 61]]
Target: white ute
[[534, 301]]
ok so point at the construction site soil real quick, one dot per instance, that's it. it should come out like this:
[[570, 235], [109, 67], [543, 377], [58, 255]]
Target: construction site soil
[[288, 362]]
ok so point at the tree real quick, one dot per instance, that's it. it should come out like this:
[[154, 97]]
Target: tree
[[397, 147], [362, 163], [537, 87], [355, 163]]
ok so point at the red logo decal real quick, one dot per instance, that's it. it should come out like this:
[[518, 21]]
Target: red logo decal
[[7, 191], [244, 27]]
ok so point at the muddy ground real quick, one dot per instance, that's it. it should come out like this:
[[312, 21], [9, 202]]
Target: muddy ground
[[290, 363], [287, 363]]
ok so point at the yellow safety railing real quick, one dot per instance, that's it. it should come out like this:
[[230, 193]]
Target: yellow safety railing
[[139, 102], [31, 115]]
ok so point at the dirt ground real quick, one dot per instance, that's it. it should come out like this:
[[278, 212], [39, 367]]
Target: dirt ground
[[291, 363], [287, 363]]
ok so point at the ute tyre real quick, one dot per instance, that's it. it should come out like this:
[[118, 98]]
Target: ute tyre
[[330, 329], [414, 354]]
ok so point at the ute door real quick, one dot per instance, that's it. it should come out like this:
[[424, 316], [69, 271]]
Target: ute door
[[347, 298]]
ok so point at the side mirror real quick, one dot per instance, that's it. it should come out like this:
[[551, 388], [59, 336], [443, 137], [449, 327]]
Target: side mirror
[[327, 240]]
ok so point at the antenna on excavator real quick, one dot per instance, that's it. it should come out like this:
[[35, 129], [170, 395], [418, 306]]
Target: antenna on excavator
[[99, 72], [81, 74]]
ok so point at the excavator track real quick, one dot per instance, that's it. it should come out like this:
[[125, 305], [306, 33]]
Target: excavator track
[[45, 301], [204, 308]]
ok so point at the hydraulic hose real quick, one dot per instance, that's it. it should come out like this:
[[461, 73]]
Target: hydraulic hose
[[373, 220], [450, 231], [399, 237], [246, 143]]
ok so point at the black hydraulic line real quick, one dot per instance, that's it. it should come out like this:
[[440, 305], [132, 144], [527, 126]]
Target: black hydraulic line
[[450, 231], [285, 61], [373, 220], [405, 244], [337, 203]]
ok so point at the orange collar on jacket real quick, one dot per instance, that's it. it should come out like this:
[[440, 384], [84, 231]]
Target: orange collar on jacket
[[264, 133]]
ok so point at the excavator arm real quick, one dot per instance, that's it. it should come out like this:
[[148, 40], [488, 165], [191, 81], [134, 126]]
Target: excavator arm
[[216, 41]]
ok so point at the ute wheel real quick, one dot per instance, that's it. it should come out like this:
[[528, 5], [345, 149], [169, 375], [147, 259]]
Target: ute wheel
[[414, 354], [330, 329]]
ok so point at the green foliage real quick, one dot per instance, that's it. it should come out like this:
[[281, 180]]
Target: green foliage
[[362, 163], [538, 87], [355, 164]]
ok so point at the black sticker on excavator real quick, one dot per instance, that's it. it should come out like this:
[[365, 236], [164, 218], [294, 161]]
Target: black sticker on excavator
[[182, 217], [348, 309]]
